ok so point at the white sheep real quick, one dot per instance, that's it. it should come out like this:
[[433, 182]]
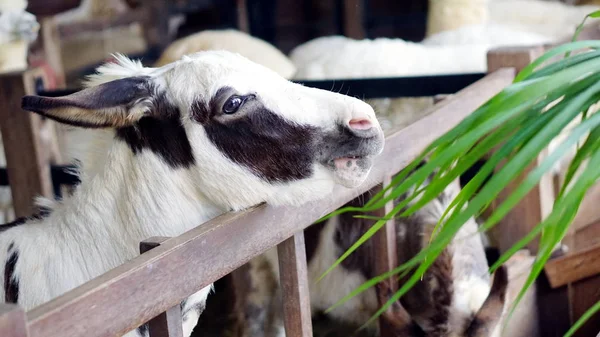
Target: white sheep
[[179, 145], [548, 18], [18, 29], [254, 49], [462, 49]]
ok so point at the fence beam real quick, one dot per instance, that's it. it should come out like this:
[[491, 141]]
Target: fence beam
[[293, 273], [13, 322], [241, 10], [538, 202], [27, 152], [353, 19], [386, 256], [168, 323]]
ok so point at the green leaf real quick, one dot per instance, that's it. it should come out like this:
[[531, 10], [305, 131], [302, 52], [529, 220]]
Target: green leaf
[[584, 318]]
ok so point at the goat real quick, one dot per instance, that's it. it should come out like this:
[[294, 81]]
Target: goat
[[455, 297], [175, 147]]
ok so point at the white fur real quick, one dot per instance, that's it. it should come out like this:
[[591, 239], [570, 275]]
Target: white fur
[[338, 283], [125, 198]]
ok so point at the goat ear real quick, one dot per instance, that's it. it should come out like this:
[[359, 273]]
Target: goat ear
[[490, 313], [117, 103]]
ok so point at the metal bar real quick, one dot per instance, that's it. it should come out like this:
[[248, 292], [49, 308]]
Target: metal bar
[[397, 86], [367, 88]]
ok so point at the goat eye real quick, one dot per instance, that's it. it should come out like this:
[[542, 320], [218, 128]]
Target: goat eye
[[232, 104]]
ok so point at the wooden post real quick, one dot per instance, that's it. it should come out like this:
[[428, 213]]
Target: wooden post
[[167, 324], [51, 45], [538, 203], [28, 153], [13, 322], [294, 286], [353, 19], [386, 256], [156, 24], [242, 16]]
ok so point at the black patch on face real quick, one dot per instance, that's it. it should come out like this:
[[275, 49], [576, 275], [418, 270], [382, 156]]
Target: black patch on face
[[162, 133], [255, 137], [11, 285]]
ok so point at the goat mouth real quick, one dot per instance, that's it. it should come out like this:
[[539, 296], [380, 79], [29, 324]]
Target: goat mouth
[[346, 162], [350, 171]]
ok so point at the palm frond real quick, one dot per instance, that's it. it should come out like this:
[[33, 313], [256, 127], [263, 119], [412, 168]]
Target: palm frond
[[511, 130]]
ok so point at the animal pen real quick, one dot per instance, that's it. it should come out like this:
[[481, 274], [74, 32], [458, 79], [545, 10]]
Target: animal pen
[[150, 287]]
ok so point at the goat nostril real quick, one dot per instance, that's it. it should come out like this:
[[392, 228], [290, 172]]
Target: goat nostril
[[360, 124]]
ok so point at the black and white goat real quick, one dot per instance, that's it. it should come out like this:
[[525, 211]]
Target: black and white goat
[[179, 145], [455, 297]]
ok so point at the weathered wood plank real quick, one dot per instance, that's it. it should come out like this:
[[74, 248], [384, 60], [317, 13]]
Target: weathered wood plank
[[586, 236], [160, 278], [12, 321], [584, 294], [293, 274], [168, 323], [573, 267], [29, 175]]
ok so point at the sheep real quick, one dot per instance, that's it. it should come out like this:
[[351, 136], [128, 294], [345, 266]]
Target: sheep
[[454, 299], [184, 143], [232, 40], [89, 9], [18, 29], [551, 19], [462, 49]]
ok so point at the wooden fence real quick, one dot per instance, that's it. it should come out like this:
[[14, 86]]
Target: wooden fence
[[151, 286]]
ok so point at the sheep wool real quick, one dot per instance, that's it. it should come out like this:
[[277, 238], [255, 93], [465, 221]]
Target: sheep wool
[[447, 15], [231, 40]]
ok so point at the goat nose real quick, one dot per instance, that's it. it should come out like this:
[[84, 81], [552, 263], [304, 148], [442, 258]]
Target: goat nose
[[360, 124]]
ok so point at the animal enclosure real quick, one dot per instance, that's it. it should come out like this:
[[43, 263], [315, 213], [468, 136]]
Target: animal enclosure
[[151, 286]]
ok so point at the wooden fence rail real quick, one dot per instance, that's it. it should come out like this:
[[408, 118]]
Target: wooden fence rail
[[156, 281]]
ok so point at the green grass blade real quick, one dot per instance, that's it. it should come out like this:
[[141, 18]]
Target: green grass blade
[[584, 318], [556, 51]]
